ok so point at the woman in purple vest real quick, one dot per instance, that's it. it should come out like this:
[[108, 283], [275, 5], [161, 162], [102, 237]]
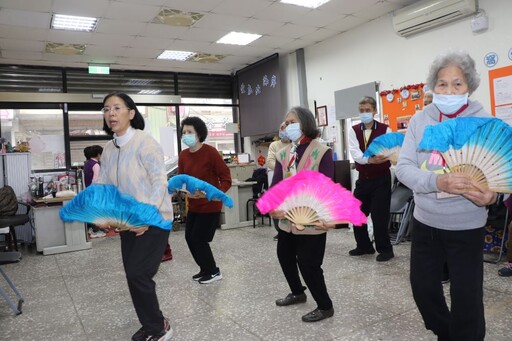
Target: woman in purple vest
[[373, 187], [92, 164], [303, 249]]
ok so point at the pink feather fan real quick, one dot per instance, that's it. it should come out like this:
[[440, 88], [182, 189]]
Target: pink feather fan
[[309, 197]]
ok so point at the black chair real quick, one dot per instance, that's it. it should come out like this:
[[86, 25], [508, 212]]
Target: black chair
[[8, 258], [260, 176], [12, 221], [401, 208]]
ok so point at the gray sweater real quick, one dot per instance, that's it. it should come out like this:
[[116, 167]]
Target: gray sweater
[[418, 170]]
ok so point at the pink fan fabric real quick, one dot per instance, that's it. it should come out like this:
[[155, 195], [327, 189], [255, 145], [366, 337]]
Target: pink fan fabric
[[319, 192]]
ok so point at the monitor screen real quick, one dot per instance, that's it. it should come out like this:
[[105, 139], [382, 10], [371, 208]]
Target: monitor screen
[[259, 93]]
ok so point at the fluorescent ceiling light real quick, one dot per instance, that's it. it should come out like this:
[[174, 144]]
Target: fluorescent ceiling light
[[73, 23], [238, 38], [149, 92], [176, 55], [306, 3]]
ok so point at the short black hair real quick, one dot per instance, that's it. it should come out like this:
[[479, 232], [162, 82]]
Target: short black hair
[[199, 127], [137, 122], [93, 151]]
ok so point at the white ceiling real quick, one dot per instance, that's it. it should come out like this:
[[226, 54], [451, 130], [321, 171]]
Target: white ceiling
[[126, 37]]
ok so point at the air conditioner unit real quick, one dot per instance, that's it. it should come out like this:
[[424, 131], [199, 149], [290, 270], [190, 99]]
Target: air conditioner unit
[[427, 14]]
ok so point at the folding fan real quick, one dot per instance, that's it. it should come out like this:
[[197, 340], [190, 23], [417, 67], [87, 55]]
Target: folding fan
[[387, 145], [104, 205], [309, 197], [192, 184], [476, 146]]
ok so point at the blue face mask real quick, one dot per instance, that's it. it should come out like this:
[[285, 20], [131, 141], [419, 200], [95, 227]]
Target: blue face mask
[[449, 104], [366, 117], [293, 131], [189, 140], [282, 135]]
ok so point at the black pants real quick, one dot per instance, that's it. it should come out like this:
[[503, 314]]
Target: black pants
[[141, 258], [200, 229], [306, 251], [462, 251], [375, 195]]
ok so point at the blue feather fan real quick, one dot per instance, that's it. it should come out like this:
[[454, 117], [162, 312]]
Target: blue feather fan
[[105, 205], [387, 145], [478, 147], [193, 184]]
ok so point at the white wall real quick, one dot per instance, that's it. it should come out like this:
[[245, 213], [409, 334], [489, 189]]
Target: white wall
[[374, 52]]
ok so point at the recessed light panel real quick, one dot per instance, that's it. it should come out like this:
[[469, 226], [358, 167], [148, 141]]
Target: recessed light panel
[[175, 55], [238, 38], [73, 23], [306, 3]]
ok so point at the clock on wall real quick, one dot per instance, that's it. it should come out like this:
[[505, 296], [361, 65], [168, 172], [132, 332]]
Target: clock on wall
[[404, 93], [390, 97]]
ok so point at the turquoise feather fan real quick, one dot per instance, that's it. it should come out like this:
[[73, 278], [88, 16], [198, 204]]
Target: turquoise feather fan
[[387, 145], [192, 184], [476, 146], [104, 205]]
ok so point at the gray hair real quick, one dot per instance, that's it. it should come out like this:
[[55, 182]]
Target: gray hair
[[460, 59], [368, 100], [307, 121]]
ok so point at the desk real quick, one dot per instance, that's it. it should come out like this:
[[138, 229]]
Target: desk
[[240, 192], [52, 234]]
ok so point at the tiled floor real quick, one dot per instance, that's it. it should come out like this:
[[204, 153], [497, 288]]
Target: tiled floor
[[83, 295]]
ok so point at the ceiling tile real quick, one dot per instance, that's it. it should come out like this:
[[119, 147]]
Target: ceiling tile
[[258, 26], [293, 30], [109, 40], [114, 26], [22, 33], [282, 12], [22, 55], [245, 8], [126, 11], [145, 42], [220, 21], [200, 34], [24, 18], [346, 23], [89, 8], [271, 41], [346, 7], [101, 51], [163, 31], [28, 5], [22, 45], [69, 37], [201, 6]]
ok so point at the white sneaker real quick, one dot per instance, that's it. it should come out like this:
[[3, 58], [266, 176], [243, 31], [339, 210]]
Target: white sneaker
[[98, 234]]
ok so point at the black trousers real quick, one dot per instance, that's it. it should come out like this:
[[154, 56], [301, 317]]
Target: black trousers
[[141, 258], [306, 252], [462, 251], [200, 230], [375, 195]]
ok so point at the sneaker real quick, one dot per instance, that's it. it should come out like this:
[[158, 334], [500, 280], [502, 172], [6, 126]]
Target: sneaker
[[210, 278], [276, 237], [98, 234], [198, 276], [164, 335], [506, 271]]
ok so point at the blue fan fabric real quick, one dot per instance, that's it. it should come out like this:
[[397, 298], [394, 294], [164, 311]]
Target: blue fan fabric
[[193, 184], [452, 133], [101, 202], [382, 142]]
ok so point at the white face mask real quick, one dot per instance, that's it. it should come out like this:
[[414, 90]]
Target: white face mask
[[449, 104], [366, 117], [293, 131]]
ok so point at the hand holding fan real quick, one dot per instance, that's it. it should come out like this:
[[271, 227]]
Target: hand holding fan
[[478, 147], [193, 184], [309, 197], [387, 145], [105, 205]]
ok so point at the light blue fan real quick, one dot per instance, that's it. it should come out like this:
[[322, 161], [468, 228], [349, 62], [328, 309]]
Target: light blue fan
[[387, 145], [105, 205], [452, 133], [478, 147], [193, 184]]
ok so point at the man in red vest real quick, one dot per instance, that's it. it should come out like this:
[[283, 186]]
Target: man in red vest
[[373, 187]]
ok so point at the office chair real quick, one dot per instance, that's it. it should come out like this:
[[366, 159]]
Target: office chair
[[11, 221], [8, 258], [400, 212]]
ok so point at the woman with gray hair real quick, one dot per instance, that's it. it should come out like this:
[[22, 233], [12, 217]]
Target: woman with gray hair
[[303, 249], [450, 213]]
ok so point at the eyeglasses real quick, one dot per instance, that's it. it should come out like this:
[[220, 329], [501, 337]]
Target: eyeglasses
[[116, 110]]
